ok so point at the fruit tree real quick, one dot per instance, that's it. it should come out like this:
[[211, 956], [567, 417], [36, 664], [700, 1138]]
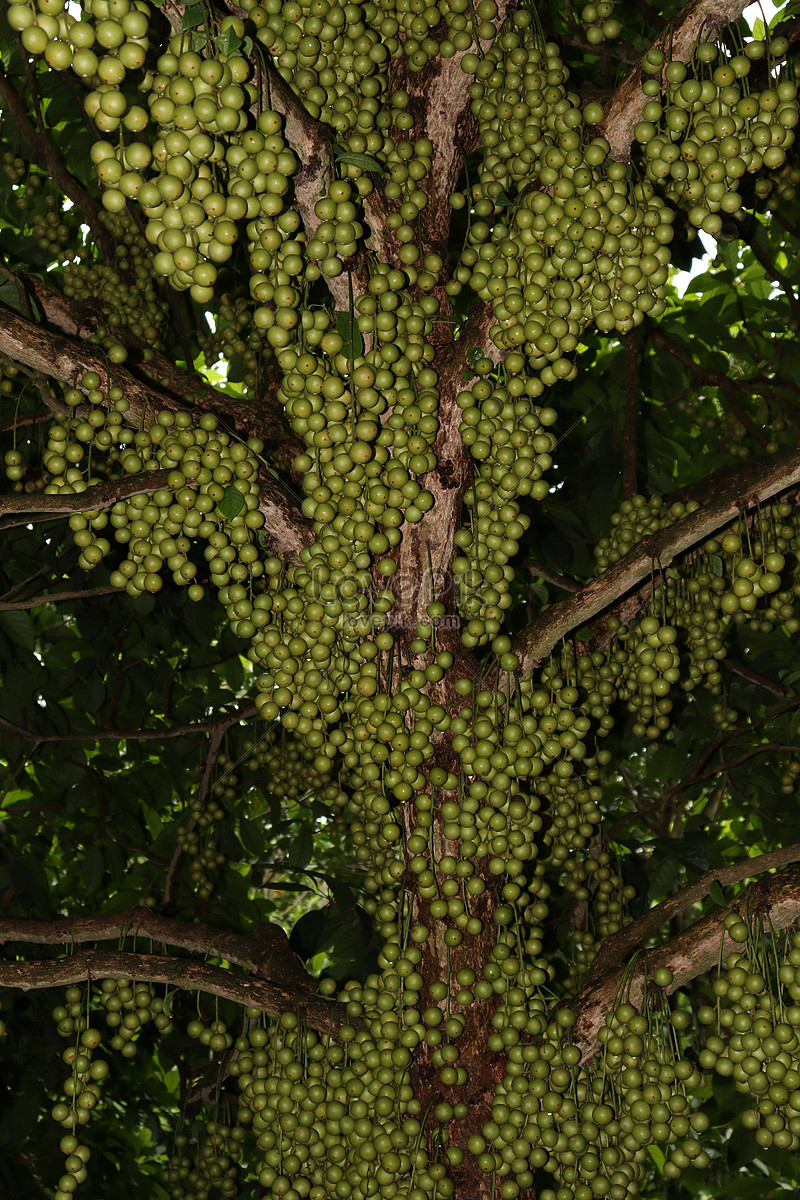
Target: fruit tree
[[399, 600]]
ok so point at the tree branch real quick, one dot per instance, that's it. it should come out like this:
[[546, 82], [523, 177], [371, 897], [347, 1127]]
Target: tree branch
[[256, 953], [134, 735], [65, 359], [262, 418], [102, 495], [321, 1014], [55, 598], [688, 955], [617, 947], [758, 480]]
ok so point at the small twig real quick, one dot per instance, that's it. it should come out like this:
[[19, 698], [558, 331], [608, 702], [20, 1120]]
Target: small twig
[[131, 735], [20, 422], [770, 685], [55, 598], [540, 571]]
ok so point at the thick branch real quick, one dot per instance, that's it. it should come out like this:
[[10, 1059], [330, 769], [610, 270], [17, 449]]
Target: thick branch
[[262, 417], [266, 952], [65, 359], [320, 1013], [758, 480], [617, 947], [688, 955], [102, 495], [697, 22]]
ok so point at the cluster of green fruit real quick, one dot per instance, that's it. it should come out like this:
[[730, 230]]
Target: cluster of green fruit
[[129, 1006], [205, 170], [336, 1117], [599, 23], [234, 336], [82, 1087], [286, 772], [634, 520], [757, 1031], [647, 1077], [126, 291], [27, 185], [584, 248], [600, 907], [214, 1035], [330, 49], [101, 49], [789, 777], [51, 234], [45, 220], [14, 168], [505, 431], [204, 1159], [205, 855], [206, 469], [783, 186], [734, 436], [9, 373], [703, 130]]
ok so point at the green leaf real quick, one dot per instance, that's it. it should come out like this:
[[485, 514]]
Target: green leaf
[[663, 878], [301, 849], [9, 295], [15, 794], [342, 894], [194, 16], [251, 836], [347, 328], [19, 627], [232, 502], [365, 161], [717, 894], [153, 822], [227, 42], [93, 869]]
